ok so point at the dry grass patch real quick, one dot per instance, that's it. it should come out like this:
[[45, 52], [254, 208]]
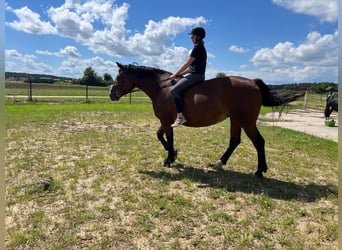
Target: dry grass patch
[[109, 190]]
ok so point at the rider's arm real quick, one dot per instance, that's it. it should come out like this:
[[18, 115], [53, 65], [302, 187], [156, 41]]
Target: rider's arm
[[184, 69]]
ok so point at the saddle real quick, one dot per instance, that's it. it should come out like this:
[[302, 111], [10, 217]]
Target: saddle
[[164, 81]]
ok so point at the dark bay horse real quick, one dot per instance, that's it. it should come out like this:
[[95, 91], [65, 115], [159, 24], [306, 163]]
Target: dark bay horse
[[332, 105], [205, 104]]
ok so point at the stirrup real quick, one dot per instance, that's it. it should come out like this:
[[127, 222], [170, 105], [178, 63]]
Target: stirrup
[[179, 121]]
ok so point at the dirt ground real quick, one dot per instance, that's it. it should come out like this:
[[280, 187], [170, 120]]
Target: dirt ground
[[309, 121]]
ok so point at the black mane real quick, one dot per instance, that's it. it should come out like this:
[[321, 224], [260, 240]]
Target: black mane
[[160, 76], [145, 72]]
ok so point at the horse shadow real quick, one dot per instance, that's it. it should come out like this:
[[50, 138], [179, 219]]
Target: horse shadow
[[233, 181]]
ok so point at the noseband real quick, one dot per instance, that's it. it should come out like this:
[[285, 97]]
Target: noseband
[[120, 92]]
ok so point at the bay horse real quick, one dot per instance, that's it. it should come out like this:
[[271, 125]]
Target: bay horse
[[331, 105], [205, 104]]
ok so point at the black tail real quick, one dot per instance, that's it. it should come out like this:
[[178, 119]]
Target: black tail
[[272, 99]]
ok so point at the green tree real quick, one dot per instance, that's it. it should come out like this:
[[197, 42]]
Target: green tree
[[220, 74], [90, 78], [108, 79]]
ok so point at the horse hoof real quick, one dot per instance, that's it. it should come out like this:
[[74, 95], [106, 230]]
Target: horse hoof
[[167, 163], [258, 175], [217, 165], [176, 153]]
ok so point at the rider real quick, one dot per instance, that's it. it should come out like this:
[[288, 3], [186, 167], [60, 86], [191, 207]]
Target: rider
[[193, 70]]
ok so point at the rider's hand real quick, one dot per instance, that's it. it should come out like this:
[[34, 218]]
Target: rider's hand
[[172, 77]]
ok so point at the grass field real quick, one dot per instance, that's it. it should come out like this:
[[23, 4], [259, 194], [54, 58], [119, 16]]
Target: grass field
[[17, 92], [89, 176], [56, 89]]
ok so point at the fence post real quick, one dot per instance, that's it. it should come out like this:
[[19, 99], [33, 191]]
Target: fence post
[[30, 91], [87, 92], [305, 98]]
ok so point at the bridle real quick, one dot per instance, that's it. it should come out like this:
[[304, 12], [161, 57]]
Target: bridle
[[120, 92]]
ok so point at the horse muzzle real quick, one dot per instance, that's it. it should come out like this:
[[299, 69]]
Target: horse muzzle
[[115, 94]]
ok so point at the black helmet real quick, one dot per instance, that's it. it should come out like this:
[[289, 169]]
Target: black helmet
[[198, 31]]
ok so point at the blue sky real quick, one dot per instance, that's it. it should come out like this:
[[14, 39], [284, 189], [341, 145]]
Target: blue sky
[[280, 41]]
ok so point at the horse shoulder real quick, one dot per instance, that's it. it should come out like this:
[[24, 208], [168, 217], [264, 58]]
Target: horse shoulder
[[163, 102]]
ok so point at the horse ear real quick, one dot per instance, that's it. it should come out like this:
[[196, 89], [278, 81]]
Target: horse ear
[[119, 65]]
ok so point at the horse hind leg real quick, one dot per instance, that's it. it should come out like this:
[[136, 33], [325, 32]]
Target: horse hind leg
[[235, 139], [259, 144]]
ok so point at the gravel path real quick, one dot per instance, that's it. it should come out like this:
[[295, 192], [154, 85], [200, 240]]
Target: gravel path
[[308, 121]]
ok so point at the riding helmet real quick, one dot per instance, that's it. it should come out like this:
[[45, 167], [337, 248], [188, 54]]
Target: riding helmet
[[198, 31]]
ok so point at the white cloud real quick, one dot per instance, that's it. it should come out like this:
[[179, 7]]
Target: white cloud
[[325, 10], [315, 58], [15, 62], [76, 20], [46, 53], [100, 25], [70, 24], [71, 66], [236, 49], [12, 53], [29, 22], [171, 59], [75, 67], [152, 42], [316, 50], [68, 51]]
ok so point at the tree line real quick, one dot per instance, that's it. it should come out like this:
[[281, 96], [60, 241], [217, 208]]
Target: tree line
[[91, 78], [39, 78]]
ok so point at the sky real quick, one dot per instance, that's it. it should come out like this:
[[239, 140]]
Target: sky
[[280, 41]]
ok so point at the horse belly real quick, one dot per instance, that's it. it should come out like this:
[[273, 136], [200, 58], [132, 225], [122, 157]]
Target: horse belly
[[202, 111]]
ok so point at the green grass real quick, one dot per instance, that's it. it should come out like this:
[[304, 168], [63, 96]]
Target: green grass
[[56, 89], [109, 190], [19, 114], [62, 93]]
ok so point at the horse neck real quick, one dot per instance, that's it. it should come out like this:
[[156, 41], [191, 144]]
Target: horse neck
[[149, 87]]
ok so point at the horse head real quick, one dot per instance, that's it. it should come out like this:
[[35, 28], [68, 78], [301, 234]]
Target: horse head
[[124, 83]]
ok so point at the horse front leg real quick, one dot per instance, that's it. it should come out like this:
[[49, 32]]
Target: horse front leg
[[327, 112], [160, 136], [168, 145]]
